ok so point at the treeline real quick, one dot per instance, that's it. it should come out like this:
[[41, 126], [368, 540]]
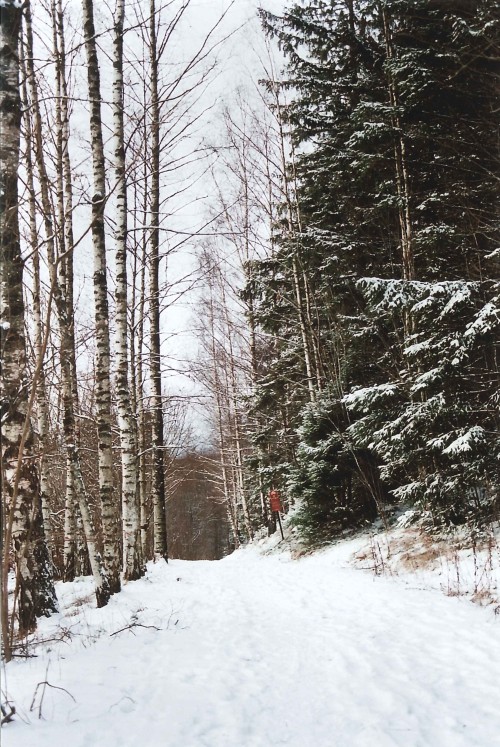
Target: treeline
[[101, 145], [373, 311], [383, 293]]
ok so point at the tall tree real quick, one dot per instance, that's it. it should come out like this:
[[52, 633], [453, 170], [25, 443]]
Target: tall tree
[[65, 302], [158, 474], [394, 212], [132, 555], [38, 317], [22, 509], [58, 265], [109, 502]]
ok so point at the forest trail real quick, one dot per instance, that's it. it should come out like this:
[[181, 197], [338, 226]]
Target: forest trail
[[259, 651]]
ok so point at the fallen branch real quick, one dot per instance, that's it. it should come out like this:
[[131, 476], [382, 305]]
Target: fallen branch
[[134, 625], [44, 685]]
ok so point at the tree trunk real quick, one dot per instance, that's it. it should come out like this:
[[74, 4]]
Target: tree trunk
[[137, 316], [65, 271], [41, 390], [74, 488], [23, 521], [402, 180], [132, 556], [157, 439], [140, 411], [233, 399], [109, 503], [230, 499], [293, 220]]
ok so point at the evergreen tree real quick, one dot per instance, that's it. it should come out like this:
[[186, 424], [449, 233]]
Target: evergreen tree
[[394, 112]]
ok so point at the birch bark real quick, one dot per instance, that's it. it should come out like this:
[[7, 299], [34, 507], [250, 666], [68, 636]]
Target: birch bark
[[132, 555], [137, 319], [229, 496], [21, 504], [74, 480], [62, 135], [76, 560], [137, 374], [109, 503], [41, 390], [233, 403], [293, 226]]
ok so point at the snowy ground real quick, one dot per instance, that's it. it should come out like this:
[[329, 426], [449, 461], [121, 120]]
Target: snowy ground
[[260, 650]]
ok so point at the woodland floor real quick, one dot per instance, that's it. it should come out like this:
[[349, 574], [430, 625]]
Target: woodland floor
[[263, 649]]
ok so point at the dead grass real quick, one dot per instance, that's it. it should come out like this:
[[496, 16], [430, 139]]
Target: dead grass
[[76, 604], [461, 562]]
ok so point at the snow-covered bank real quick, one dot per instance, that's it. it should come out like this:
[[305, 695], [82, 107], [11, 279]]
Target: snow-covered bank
[[261, 650], [462, 561]]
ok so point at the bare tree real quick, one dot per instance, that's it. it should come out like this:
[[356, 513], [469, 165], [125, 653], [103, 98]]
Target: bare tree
[[75, 484], [170, 101], [22, 524], [109, 503], [41, 394], [132, 554], [158, 475], [74, 552]]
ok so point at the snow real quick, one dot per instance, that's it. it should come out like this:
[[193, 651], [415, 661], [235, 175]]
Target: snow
[[466, 441], [486, 319], [261, 649], [367, 395]]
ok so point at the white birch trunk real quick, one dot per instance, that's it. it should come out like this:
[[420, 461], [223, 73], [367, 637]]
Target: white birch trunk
[[41, 393], [76, 560], [229, 497], [140, 217], [141, 415], [74, 482], [233, 395], [132, 555], [293, 225], [21, 508], [109, 502], [65, 245]]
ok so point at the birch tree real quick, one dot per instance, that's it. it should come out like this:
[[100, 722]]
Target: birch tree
[[132, 556], [41, 394], [171, 112], [22, 524], [109, 503], [65, 307], [59, 283]]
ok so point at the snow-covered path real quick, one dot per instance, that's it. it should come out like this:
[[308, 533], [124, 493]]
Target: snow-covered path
[[257, 651]]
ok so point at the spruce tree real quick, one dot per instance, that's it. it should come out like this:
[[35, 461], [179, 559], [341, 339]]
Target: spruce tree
[[394, 112]]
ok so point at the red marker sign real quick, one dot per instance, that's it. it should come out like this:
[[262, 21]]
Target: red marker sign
[[275, 500]]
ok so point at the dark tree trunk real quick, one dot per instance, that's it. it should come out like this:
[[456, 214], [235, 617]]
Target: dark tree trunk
[[157, 445]]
